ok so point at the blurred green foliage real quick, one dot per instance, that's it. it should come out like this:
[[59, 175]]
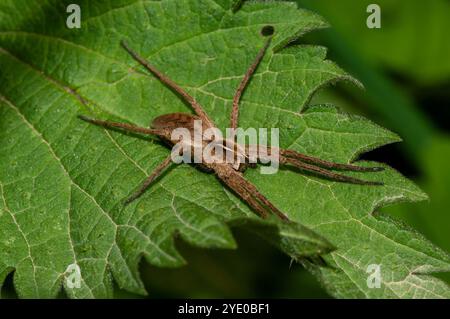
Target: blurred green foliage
[[412, 38]]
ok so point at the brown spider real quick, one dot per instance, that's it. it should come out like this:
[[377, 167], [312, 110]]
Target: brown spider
[[228, 173]]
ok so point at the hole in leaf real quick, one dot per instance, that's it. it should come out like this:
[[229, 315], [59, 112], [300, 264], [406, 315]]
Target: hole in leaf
[[267, 30]]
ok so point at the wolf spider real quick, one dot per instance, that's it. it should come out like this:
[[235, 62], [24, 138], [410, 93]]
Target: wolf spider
[[229, 174]]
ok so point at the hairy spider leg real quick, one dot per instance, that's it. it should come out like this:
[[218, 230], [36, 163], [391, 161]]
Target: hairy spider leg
[[324, 173], [198, 109], [123, 126], [295, 158], [245, 80], [317, 166], [249, 193], [131, 128], [247, 197], [254, 191], [327, 164], [155, 174]]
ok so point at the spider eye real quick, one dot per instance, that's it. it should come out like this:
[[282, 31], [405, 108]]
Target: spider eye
[[267, 30]]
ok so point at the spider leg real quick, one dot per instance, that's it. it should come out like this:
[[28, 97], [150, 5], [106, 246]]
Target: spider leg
[[246, 196], [317, 161], [322, 172], [157, 172], [254, 191], [327, 164], [249, 193], [244, 82], [124, 126], [163, 78]]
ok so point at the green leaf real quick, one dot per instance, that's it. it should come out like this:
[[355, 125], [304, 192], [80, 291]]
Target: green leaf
[[62, 181]]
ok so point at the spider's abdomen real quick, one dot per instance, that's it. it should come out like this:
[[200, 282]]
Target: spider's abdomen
[[173, 121]]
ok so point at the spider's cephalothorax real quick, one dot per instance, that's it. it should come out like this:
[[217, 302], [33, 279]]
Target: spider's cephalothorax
[[228, 173]]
